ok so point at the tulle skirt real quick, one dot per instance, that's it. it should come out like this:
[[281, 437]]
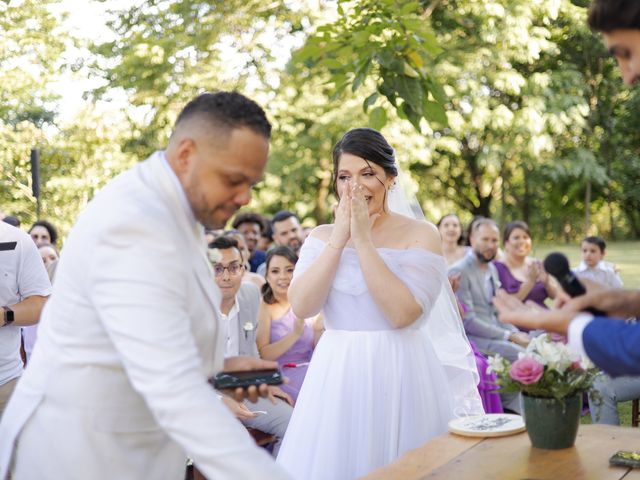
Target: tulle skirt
[[368, 397]]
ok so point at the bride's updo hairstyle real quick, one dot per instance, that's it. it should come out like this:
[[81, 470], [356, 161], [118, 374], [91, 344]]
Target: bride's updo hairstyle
[[368, 144]]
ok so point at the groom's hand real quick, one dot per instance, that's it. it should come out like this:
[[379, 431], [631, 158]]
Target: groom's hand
[[239, 364]]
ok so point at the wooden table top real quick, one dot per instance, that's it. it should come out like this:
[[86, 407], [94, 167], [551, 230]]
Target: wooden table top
[[453, 457]]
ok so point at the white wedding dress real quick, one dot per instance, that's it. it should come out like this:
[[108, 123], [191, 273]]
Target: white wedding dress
[[373, 392]]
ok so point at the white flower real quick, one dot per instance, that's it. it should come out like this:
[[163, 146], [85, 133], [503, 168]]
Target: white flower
[[214, 255], [586, 363], [496, 364], [554, 355], [248, 327]]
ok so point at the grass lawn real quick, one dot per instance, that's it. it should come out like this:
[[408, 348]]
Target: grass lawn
[[626, 255]]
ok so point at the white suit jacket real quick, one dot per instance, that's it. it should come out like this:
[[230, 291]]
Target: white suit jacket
[[117, 384]]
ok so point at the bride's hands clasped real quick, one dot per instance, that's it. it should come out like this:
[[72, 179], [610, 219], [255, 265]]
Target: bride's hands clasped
[[361, 221], [342, 226]]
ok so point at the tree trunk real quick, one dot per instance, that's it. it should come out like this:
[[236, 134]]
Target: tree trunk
[[587, 208]]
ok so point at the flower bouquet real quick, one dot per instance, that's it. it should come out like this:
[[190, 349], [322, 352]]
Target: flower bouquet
[[552, 380]]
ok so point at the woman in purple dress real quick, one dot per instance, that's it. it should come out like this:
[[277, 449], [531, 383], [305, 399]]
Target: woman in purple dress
[[281, 335], [520, 274]]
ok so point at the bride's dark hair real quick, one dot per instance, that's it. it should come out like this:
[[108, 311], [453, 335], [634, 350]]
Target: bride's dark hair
[[365, 143]]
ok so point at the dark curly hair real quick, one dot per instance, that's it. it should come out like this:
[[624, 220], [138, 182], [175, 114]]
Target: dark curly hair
[[53, 233], [249, 217]]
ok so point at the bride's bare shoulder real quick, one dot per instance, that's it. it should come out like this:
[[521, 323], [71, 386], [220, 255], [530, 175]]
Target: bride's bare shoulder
[[322, 232], [422, 234]]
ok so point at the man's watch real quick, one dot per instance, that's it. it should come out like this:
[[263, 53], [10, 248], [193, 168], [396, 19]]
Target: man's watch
[[8, 316]]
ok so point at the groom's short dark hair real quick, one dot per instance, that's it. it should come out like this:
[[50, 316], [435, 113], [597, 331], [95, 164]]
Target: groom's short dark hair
[[608, 15], [229, 110]]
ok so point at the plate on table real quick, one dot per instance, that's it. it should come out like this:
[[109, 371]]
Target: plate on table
[[488, 425]]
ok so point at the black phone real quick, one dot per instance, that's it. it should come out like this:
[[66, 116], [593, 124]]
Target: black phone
[[626, 459], [246, 378]]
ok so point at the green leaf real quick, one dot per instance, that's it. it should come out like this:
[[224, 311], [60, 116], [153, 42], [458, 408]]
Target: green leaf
[[411, 91], [413, 116], [369, 101], [377, 118], [410, 7], [434, 111]]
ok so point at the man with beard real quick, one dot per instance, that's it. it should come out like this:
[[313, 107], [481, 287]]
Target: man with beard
[[117, 385], [478, 284], [287, 231]]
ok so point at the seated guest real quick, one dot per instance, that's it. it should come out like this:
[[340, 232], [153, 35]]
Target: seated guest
[[453, 248], [478, 283], [248, 276], [281, 335], [240, 304], [611, 391], [287, 231], [593, 267], [251, 226], [43, 232], [520, 274], [266, 240]]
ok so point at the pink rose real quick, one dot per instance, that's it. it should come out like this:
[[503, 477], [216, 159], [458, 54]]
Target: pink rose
[[526, 371]]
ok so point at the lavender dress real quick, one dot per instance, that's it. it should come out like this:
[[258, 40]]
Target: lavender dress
[[300, 352], [511, 284]]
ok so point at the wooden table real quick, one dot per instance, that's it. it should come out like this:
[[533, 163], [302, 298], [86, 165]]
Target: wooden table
[[453, 457]]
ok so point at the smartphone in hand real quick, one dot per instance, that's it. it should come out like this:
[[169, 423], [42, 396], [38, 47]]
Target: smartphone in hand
[[247, 378]]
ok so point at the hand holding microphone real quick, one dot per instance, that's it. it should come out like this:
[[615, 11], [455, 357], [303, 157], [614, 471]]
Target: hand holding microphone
[[557, 265]]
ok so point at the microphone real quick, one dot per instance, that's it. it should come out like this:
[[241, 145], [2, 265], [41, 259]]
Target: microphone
[[557, 264]]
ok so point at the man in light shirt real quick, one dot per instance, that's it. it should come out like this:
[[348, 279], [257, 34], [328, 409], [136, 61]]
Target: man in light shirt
[[239, 316]]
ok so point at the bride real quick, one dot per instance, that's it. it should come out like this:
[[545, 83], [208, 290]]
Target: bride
[[393, 366]]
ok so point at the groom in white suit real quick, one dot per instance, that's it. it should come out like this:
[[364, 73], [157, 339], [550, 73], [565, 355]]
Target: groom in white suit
[[117, 384]]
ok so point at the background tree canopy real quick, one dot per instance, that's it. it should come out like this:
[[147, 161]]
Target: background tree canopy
[[510, 109]]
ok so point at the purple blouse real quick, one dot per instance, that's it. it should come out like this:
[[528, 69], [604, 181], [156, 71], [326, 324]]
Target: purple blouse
[[511, 284]]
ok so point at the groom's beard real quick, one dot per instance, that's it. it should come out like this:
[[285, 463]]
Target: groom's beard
[[482, 258]]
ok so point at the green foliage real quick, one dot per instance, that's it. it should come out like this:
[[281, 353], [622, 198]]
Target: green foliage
[[389, 42], [507, 109]]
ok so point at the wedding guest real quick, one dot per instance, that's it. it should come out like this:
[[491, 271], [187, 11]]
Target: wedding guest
[[251, 225], [478, 284], [453, 248], [265, 242], [43, 231], [283, 336], [24, 289], [239, 308], [593, 266], [248, 275], [520, 274], [287, 231], [48, 253]]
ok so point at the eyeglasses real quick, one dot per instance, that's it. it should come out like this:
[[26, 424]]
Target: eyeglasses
[[234, 269]]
